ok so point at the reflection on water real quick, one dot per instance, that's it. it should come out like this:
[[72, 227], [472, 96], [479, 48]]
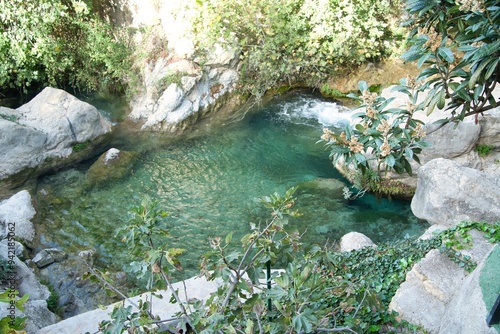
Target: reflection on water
[[211, 184]]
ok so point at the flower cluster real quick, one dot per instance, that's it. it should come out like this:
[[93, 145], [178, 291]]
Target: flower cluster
[[412, 83], [418, 132], [410, 107], [384, 127], [470, 5], [355, 146], [369, 98], [371, 113], [328, 135], [434, 39], [385, 149]]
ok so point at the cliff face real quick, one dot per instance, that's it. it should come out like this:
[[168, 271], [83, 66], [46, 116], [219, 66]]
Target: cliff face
[[177, 86]]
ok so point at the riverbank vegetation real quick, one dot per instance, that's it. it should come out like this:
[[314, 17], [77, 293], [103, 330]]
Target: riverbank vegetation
[[457, 46], [60, 44], [306, 41], [320, 290]]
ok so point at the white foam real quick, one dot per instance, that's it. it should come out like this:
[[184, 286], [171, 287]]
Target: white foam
[[324, 112]]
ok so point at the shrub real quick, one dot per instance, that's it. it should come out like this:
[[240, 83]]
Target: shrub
[[60, 43]]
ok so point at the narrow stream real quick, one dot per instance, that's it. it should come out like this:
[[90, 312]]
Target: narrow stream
[[210, 183]]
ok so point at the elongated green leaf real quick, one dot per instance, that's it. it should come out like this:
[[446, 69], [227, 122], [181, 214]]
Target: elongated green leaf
[[229, 237], [360, 158], [477, 73], [441, 99], [446, 55], [423, 59], [477, 92], [491, 69]]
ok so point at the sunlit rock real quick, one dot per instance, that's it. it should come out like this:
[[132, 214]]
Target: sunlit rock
[[448, 193], [442, 297], [355, 240], [16, 214], [48, 132]]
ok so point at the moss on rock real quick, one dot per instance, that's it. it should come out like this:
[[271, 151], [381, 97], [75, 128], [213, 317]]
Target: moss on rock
[[111, 166]]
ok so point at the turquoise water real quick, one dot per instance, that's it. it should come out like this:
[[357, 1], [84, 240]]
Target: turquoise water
[[211, 181]]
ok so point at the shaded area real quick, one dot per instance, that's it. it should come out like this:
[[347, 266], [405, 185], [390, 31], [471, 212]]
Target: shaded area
[[490, 281]]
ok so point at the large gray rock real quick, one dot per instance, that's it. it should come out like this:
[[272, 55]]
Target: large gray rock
[[26, 281], [47, 127], [16, 214], [490, 128], [448, 193], [466, 312], [170, 109], [451, 141], [65, 119], [20, 147], [39, 316], [440, 296]]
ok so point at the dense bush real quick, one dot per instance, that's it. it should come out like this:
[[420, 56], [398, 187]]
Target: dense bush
[[282, 42], [59, 43]]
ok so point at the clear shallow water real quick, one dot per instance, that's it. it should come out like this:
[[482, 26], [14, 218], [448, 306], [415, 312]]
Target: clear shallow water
[[210, 183]]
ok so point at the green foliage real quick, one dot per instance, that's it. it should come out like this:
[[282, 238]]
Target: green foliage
[[458, 238], [53, 300], [457, 44], [382, 139], [328, 91], [14, 325], [484, 150], [169, 79], [297, 41], [78, 147], [317, 290], [60, 43], [125, 319], [146, 234], [458, 41]]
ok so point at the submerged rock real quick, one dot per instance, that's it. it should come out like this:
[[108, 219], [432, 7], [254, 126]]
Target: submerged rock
[[111, 166], [331, 188], [49, 256]]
